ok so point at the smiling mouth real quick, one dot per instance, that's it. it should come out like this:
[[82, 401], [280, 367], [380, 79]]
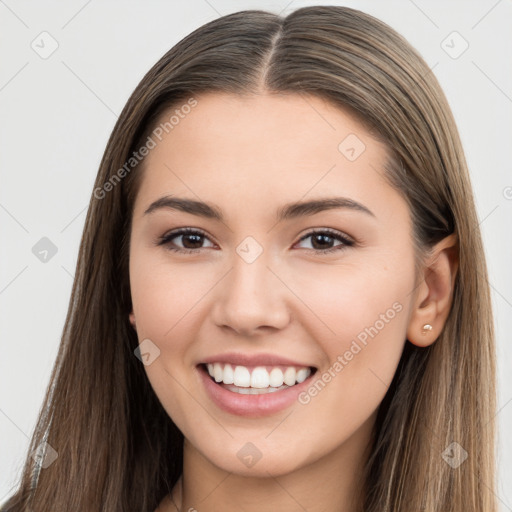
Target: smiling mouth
[[256, 380]]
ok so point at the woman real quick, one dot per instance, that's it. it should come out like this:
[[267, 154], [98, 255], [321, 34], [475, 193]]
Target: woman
[[280, 300]]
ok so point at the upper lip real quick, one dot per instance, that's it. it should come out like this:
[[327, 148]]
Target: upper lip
[[262, 359]]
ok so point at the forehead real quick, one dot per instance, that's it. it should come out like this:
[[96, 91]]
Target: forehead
[[262, 149]]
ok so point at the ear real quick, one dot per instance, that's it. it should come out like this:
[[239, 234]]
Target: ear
[[132, 319], [434, 294]]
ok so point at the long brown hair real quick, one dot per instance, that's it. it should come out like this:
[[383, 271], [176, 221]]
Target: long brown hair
[[117, 449]]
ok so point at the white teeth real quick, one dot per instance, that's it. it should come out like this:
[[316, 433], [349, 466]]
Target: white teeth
[[229, 376], [242, 377], [258, 378], [276, 378], [289, 376], [218, 373], [254, 391], [303, 374]]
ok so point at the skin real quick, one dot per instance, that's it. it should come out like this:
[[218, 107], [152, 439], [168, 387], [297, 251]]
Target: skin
[[250, 156]]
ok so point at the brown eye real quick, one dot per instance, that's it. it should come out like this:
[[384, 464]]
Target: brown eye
[[321, 241], [191, 240]]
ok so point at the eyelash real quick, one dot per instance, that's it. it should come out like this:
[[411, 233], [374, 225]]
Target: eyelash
[[166, 239]]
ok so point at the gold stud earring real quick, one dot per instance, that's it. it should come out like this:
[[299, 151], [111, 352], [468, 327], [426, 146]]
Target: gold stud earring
[[426, 327]]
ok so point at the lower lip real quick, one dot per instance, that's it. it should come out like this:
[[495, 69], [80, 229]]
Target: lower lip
[[251, 405]]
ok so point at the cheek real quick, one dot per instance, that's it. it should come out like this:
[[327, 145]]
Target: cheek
[[350, 302], [167, 302], [360, 322], [164, 296], [166, 299]]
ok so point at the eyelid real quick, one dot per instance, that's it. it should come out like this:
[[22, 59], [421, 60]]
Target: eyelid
[[167, 237], [329, 231]]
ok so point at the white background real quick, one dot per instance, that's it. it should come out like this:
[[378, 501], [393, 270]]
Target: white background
[[57, 114]]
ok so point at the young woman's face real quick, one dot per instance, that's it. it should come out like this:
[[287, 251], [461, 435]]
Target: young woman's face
[[314, 287]]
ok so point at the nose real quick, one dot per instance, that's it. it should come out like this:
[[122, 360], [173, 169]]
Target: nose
[[251, 298]]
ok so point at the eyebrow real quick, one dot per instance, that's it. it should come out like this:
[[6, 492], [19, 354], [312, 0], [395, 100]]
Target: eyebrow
[[286, 212]]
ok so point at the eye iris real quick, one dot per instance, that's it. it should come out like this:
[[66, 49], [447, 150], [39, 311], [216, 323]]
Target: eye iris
[[326, 239], [198, 240]]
